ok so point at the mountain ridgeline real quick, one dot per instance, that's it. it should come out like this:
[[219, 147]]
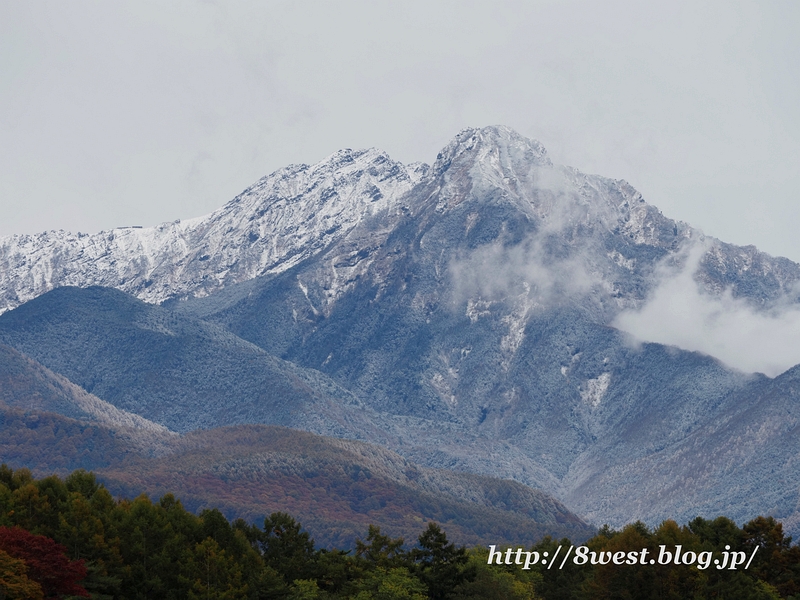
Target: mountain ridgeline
[[461, 315]]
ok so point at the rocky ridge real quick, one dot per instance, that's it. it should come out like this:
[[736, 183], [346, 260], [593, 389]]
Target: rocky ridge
[[299, 211], [271, 226]]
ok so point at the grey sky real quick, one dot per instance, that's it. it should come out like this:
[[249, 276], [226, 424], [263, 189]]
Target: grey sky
[[134, 113]]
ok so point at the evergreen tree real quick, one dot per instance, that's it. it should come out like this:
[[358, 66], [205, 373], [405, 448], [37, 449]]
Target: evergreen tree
[[381, 551], [390, 584], [287, 549], [497, 582], [776, 561], [214, 575], [439, 564]]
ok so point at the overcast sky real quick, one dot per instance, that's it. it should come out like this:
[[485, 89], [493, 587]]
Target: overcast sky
[[135, 113]]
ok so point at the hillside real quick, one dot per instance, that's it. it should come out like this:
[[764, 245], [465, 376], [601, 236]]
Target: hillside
[[175, 370], [50, 425], [336, 488], [48, 443]]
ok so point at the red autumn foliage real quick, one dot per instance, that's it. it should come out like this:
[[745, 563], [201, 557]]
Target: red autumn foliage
[[47, 562]]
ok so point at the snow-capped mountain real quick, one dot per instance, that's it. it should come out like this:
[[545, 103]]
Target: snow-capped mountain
[[300, 210], [464, 314]]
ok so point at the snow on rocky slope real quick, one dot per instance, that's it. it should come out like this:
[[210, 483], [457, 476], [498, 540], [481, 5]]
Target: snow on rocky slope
[[300, 211], [276, 223]]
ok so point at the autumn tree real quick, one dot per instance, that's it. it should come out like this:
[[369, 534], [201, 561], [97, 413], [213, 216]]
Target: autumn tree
[[14, 582], [46, 562]]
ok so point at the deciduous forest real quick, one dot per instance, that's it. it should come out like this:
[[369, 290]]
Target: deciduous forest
[[67, 538]]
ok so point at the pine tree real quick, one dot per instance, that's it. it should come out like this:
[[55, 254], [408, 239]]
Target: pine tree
[[440, 564], [286, 548]]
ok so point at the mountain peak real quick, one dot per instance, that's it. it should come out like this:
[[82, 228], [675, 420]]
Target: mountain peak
[[301, 210], [475, 144]]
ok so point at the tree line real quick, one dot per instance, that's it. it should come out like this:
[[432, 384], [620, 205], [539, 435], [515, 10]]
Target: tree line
[[62, 538]]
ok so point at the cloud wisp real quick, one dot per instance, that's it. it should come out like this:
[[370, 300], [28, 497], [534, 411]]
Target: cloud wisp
[[679, 313], [525, 274]]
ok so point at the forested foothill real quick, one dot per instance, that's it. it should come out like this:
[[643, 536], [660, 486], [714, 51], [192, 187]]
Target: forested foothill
[[70, 537]]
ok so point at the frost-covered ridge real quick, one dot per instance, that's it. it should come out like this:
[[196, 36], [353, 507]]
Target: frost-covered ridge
[[346, 207], [281, 220]]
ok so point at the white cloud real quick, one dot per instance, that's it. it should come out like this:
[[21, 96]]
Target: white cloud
[[678, 313], [494, 272]]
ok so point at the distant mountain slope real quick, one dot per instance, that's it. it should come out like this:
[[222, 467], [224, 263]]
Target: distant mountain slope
[[177, 371], [580, 441], [272, 225], [50, 425], [743, 461], [575, 404], [26, 384], [48, 443], [337, 488], [29, 386]]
